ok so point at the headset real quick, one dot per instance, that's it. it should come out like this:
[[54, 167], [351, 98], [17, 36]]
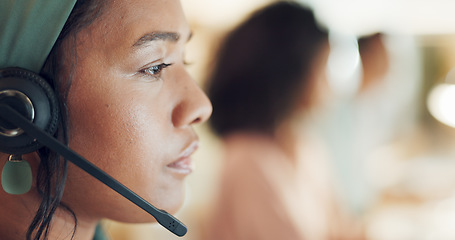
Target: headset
[[29, 110]]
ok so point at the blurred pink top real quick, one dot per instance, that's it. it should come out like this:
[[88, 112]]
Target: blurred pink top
[[266, 195]]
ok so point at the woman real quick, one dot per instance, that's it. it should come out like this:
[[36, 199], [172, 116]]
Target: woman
[[275, 183], [128, 106]]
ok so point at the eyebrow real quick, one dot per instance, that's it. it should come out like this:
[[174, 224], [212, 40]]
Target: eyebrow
[[154, 36]]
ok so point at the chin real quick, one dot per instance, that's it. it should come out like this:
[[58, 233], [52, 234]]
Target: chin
[[171, 203]]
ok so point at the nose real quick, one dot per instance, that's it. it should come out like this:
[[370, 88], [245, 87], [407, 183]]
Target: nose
[[194, 107]]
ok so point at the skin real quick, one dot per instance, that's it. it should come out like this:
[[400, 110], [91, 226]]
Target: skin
[[287, 133], [135, 125]]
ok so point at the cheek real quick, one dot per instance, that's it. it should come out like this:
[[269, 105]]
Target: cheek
[[113, 126], [122, 135]]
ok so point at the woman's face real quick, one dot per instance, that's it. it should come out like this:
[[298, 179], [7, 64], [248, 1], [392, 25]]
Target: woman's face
[[131, 109]]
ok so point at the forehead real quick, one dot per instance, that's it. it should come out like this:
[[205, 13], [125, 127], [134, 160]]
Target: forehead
[[123, 22]]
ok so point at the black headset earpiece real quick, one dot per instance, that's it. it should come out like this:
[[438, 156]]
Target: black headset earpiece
[[31, 95]]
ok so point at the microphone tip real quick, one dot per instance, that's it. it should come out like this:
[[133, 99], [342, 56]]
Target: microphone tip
[[170, 223], [180, 230]]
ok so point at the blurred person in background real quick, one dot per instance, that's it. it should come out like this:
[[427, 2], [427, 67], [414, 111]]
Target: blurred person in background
[[375, 60], [359, 121], [275, 182]]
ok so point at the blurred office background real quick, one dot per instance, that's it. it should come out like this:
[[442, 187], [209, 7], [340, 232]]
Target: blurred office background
[[392, 147]]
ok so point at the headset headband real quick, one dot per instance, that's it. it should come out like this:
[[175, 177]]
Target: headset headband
[[29, 29]]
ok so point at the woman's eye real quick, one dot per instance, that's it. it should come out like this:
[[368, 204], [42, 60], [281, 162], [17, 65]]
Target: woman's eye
[[155, 71]]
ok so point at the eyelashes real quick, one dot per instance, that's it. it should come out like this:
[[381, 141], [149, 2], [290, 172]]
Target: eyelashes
[[154, 71]]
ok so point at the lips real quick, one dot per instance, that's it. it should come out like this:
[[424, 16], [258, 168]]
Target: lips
[[183, 165]]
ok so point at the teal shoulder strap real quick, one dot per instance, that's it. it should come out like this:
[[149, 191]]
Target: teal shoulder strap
[[99, 233], [29, 29]]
